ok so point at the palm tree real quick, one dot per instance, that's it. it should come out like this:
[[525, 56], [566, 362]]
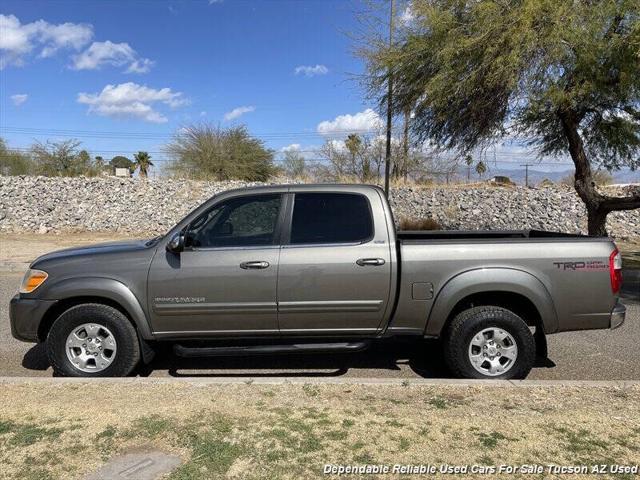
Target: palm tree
[[469, 161], [143, 162], [481, 168]]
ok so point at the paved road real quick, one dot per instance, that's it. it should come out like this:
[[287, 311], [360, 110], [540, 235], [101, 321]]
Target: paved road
[[590, 355]]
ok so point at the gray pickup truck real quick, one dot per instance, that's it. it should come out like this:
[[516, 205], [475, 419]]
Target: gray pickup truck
[[315, 269]]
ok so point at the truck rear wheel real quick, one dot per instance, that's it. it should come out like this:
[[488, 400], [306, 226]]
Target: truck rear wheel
[[489, 342], [93, 340]]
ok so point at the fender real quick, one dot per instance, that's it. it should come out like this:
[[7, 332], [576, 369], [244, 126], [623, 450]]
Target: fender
[[491, 280], [100, 287]]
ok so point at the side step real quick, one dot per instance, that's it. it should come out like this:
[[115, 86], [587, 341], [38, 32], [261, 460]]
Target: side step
[[342, 347]]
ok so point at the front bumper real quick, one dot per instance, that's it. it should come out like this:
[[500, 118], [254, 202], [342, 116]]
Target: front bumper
[[25, 315], [617, 315]]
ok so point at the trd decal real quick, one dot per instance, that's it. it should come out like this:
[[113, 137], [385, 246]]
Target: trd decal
[[590, 265]]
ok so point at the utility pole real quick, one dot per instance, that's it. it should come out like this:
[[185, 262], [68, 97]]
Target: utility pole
[[526, 173], [387, 156]]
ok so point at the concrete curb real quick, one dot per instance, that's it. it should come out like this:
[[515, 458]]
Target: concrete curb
[[327, 381]]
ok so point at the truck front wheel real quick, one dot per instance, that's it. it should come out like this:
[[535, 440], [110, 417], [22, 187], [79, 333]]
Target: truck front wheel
[[93, 340], [489, 342]]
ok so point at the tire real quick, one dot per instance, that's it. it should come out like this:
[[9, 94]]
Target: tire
[[108, 336], [499, 342]]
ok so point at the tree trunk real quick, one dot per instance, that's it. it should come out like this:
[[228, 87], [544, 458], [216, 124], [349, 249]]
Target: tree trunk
[[405, 144], [597, 222], [598, 206]]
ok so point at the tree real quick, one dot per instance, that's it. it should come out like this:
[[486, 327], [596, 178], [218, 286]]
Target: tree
[[83, 161], [359, 158], [481, 168], [468, 159], [14, 162], [99, 165], [143, 162], [562, 73], [59, 158], [293, 163], [204, 151]]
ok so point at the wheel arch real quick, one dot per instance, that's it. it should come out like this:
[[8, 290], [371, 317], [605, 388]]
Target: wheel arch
[[106, 291], [515, 290]]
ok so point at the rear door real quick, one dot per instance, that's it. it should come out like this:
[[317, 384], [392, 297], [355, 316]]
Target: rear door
[[335, 265]]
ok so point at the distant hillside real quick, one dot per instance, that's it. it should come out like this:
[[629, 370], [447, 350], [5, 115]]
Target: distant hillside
[[536, 176]]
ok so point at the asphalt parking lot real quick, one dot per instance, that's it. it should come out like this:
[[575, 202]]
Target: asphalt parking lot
[[589, 355]]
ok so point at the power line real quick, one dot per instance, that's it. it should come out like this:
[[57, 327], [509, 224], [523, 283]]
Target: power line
[[154, 135]]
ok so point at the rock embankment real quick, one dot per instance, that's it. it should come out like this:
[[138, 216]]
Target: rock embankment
[[41, 204]]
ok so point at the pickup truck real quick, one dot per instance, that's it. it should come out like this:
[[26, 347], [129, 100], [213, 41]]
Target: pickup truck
[[315, 269]]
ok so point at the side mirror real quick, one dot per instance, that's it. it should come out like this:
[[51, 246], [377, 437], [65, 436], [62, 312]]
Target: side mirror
[[176, 244]]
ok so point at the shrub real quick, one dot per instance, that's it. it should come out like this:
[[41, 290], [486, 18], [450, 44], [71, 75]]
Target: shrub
[[546, 183], [407, 223], [206, 152]]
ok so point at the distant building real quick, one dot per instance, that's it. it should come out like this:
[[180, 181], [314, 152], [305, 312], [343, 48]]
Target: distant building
[[122, 172], [501, 180]]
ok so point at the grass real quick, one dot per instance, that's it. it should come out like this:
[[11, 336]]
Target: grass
[[149, 426], [24, 434], [292, 431], [490, 440]]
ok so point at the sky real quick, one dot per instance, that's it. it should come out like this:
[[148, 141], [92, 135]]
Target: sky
[[125, 76]]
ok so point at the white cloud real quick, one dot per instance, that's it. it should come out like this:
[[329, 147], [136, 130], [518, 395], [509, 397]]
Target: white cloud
[[310, 70], [294, 147], [361, 122], [142, 65], [408, 15], [130, 100], [19, 98], [238, 112], [338, 145], [18, 40], [114, 54], [211, 2]]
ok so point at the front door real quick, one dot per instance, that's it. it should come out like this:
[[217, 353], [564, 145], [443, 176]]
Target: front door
[[224, 282], [335, 268]]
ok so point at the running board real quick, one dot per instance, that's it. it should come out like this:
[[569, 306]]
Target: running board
[[344, 347]]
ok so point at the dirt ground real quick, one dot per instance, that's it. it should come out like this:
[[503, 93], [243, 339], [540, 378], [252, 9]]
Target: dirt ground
[[246, 430]]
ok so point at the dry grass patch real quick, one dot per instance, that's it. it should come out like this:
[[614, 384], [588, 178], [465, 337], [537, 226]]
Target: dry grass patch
[[290, 431]]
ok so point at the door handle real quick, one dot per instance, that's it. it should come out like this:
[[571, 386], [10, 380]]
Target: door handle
[[257, 265], [375, 262]]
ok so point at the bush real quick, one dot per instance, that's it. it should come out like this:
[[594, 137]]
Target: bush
[[546, 183], [407, 223], [602, 177], [14, 162], [568, 181], [206, 152]]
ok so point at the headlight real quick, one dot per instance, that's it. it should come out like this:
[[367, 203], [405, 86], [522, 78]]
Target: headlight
[[32, 280]]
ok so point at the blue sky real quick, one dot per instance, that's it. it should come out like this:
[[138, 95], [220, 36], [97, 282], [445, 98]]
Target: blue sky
[[136, 71], [280, 67]]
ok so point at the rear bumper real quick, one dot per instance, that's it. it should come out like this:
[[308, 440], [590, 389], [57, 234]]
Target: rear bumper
[[617, 315], [25, 315]]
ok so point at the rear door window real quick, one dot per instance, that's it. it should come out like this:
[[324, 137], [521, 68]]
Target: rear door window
[[331, 218]]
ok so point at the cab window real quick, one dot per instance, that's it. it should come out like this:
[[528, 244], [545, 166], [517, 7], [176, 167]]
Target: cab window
[[237, 222]]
